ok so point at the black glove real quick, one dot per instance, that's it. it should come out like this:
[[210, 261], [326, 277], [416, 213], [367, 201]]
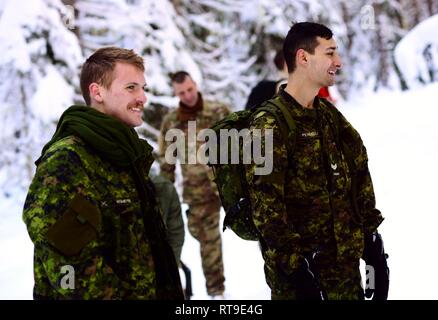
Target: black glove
[[374, 255], [306, 280]]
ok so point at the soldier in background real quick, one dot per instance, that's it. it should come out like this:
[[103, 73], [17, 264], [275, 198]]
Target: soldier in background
[[266, 89], [171, 209], [199, 191], [315, 212], [91, 210], [172, 217], [325, 93]]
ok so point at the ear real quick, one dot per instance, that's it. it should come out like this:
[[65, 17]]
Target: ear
[[301, 57], [174, 88], [95, 93]]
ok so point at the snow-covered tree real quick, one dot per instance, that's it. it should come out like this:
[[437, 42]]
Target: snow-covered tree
[[234, 41], [227, 46], [373, 28], [220, 41], [415, 11], [416, 54], [39, 69], [149, 28]]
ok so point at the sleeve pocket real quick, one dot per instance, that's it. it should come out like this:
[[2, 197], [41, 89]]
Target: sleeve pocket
[[77, 227]]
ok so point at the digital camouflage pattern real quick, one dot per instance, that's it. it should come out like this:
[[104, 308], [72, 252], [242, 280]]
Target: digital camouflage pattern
[[230, 177], [197, 178], [84, 212], [200, 193], [304, 205], [203, 225]]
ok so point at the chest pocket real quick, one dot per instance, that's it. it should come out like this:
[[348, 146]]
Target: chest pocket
[[307, 176], [122, 227], [307, 153], [307, 196]]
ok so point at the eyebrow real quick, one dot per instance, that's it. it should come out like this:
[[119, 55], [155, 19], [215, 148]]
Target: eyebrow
[[331, 48], [136, 84]]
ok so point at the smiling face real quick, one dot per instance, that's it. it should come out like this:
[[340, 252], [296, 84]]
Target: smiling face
[[324, 63], [125, 97]]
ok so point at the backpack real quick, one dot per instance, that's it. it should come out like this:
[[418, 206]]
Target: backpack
[[231, 179]]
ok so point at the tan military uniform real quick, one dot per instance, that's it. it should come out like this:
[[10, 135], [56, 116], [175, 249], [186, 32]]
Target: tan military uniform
[[199, 192]]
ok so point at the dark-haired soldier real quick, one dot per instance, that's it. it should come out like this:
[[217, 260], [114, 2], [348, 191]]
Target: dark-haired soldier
[[316, 211]]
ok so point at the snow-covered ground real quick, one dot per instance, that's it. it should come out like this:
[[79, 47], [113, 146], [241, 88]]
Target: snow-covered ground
[[400, 132]]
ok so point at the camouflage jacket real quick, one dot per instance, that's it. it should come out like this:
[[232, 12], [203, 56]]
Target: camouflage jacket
[[84, 213], [304, 205], [198, 185]]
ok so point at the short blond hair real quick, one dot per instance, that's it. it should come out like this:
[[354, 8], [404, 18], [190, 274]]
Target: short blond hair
[[99, 67]]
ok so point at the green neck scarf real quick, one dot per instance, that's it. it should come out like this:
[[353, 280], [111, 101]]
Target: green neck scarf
[[117, 143], [112, 139]]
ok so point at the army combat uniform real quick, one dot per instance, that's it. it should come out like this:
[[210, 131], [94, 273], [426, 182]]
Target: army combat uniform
[[304, 206], [84, 215], [199, 192]]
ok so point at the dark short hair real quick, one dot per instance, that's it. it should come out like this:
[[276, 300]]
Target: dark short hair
[[99, 67], [179, 76], [303, 35], [279, 60]]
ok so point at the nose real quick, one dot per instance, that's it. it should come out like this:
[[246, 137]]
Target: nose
[[142, 98], [338, 62]]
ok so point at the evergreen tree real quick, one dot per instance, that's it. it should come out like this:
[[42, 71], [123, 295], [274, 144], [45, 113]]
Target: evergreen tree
[[227, 46], [38, 65], [149, 28]]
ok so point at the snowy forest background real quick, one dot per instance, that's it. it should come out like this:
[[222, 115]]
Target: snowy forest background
[[227, 45], [386, 46]]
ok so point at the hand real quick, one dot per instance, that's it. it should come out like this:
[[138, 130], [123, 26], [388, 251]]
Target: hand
[[374, 255]]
